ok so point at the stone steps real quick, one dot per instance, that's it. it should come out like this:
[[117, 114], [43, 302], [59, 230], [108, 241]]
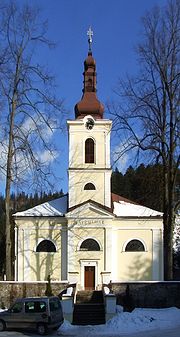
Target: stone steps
[[89, 308], [88, 314], [89, 297]]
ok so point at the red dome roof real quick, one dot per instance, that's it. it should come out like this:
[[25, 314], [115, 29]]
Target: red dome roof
[[89, 104]]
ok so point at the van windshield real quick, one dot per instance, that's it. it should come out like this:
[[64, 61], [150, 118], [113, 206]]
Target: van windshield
[[16, 308]]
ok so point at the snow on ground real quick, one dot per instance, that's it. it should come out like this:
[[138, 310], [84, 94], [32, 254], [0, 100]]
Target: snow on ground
[[127, 323]]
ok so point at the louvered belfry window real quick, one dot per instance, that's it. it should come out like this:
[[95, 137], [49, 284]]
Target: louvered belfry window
[[89, 150]]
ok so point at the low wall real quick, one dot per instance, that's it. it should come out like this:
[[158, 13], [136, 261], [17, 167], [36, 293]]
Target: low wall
[[9, 291], [146, 294]]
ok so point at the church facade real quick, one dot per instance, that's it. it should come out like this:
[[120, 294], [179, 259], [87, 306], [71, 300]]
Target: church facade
[[89, 236]]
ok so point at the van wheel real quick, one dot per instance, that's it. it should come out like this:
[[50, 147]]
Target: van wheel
[[2, 325], [41, 329]]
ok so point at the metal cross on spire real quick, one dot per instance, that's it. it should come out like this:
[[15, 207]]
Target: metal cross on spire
[[90, 35]]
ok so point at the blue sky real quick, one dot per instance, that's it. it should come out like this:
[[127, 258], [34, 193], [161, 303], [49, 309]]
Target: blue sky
[[117, 28]]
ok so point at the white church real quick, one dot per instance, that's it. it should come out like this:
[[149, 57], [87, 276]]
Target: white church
[[89, 236]]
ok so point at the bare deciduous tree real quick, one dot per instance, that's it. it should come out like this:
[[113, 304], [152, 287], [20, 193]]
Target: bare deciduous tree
[[147, 117], [30, 111]]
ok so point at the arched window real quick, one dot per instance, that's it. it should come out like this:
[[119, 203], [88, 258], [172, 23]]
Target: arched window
[[89, 186], [46, 246], [90, 244], [89, 150], [134, 246]]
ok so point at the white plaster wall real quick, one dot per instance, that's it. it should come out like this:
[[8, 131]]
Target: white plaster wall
[[33, 266], [101, 180], [134, 266], [80, 172]]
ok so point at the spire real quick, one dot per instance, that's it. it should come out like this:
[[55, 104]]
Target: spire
[[89, 104]]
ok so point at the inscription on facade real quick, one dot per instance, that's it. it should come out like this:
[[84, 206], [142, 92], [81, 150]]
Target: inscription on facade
[[88, 222]]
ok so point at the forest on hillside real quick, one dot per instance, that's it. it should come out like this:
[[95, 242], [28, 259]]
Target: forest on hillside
[[143, 184]]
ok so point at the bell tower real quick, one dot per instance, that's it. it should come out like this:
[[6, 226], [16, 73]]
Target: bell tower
[[89, 143]]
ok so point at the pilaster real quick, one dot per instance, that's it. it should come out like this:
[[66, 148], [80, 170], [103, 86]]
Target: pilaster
[[157, 263], [64, 253]]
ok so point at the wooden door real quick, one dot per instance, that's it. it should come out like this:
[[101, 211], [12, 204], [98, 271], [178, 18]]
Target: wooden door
[[89, 277]]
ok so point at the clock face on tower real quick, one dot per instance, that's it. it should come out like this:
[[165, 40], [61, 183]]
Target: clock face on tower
[[89, 123]]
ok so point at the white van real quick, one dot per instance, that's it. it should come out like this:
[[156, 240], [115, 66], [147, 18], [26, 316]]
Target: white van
[[40, 313]]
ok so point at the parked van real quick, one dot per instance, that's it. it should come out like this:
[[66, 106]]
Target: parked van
[[40, 313]]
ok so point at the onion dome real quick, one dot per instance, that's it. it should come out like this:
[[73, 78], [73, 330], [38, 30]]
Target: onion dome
[[89, 104], [89, 62]]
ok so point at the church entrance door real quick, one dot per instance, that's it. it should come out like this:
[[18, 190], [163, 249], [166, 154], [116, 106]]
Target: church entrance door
[[89, 277]]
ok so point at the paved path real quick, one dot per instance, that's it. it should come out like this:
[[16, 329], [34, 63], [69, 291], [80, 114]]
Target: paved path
[[24, 334], [175, 332]]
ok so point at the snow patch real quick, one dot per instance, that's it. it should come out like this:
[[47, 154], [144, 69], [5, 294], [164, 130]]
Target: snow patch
[[123, 208], [56, 207], [127, 323]]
